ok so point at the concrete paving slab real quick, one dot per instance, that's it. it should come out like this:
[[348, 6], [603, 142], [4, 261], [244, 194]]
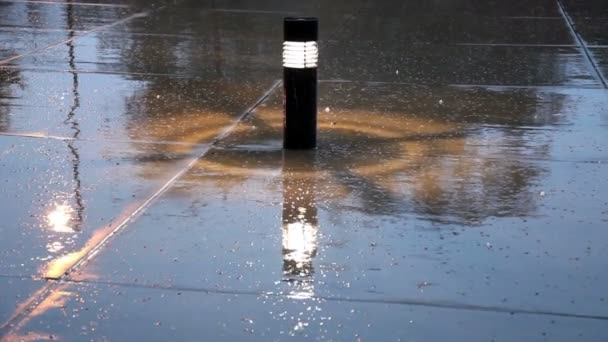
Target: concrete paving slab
[[308, 7], [17, 42], [442, 64], [122, 107], [374, 238], [15, 291], [106, 312], [393, 206], [589, 19], [458, 28], [582, 8], [45, 16], [517, 8], [163, 55], [591, 30], [61, 197], [460, 174], [600, 56], [208, 24]]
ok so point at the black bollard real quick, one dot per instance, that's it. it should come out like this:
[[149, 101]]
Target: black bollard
[[300, 57]]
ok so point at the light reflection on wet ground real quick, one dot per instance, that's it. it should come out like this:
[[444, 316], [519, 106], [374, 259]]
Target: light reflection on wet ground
[[454, 218], [460, 175]]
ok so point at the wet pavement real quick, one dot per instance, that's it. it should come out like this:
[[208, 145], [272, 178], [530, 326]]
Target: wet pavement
[[459, 189]]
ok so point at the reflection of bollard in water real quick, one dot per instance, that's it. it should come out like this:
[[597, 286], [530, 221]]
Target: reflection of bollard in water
[[300, 57], [300, 222]]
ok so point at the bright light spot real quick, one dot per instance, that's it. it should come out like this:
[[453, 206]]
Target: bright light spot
[[300, 326], [299, 248], [54, 247], [300, 55], [60, 218], [300, 240], [302, 290]]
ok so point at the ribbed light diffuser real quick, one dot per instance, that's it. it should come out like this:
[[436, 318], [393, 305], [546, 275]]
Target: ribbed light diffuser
[[300, 55]]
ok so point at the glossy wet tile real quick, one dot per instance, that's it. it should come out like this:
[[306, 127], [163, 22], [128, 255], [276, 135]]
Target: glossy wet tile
[[459, 182], [449, 28], [45, 16], [274, 6], [518, 8], [246, 59], [119, 107], [207, 24], [63, 197], [600, 56], [15, 292], [441, 64], [591, 30], [391, 206], [16, 42], [589, 18], [106, 312], [582, 8]]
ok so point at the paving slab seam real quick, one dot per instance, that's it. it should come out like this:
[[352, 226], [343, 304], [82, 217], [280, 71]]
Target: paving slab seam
[[583, 46], [461, 85], [390, 301], [534, 17], [517, 45], [364, 82], [64, 3], [36, 135], [52, 283], [36, 30], [101, 72]]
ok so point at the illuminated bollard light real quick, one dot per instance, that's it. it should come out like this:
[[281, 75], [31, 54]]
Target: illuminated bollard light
[[300, 57]]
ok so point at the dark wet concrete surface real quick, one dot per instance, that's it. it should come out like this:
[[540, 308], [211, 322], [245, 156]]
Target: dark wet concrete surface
[[162, 315], [406, 201], [61, 194], [15, 290], [460, 176], [600, 56], [84, 105], [588, 18], [432, 64]]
